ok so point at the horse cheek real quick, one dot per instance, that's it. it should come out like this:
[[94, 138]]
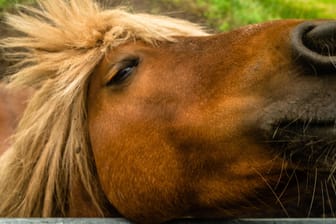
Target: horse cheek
[[139, 177]]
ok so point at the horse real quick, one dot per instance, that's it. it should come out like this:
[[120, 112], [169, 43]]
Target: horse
[[152, 118]]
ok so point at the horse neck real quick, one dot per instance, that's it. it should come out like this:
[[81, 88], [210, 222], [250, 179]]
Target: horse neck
[[12, 105]]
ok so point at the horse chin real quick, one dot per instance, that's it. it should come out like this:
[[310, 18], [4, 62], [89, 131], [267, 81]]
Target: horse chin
[[302, 193]]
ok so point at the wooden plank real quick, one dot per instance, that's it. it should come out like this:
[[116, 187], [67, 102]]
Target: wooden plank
[[260, 221], [64, 221]]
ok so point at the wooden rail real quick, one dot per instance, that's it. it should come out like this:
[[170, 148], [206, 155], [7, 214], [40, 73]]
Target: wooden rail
[[184, 221]]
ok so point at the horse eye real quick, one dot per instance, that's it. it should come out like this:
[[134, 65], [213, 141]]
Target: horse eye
[[122, 75]]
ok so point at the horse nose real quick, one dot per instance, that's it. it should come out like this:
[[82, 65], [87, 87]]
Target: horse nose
[[315, 43]]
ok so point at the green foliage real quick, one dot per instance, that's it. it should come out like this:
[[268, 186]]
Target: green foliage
[[8, 3], [3, 3], [227, 14]]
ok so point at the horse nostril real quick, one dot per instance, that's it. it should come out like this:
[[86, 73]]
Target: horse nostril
[[315, 43]]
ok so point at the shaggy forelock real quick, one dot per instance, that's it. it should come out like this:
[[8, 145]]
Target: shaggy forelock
[[61, 44]]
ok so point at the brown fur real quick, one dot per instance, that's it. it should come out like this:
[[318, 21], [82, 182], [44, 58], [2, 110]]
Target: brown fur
[[184, 135]]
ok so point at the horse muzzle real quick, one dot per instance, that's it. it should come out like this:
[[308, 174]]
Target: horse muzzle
[[304, 128]]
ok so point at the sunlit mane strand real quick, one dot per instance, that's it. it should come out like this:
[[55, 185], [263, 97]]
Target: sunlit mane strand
[[61, 44]]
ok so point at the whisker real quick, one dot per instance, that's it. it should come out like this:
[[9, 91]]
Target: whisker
[[332, 180], [323, 201], [281, 172], [327, 155], [273, 192], [329, 200], [275, 132], [275, 157], [298, 189], [307, 182], [332, 171], [322, 155], [306, 126], [289, 179], [313, 195]]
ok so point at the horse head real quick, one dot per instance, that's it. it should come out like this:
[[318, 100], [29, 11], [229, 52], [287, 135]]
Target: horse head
[[154, 119]]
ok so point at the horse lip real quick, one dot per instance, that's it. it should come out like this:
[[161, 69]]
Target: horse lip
[[308, 128], [306, 131], [306, 144]]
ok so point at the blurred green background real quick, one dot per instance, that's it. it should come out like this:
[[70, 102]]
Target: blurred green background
[[228, 14], [9, 3]]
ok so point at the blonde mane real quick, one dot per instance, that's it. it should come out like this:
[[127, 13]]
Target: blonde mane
[[61, 44]]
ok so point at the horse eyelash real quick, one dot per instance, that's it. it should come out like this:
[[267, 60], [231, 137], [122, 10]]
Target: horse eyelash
[[122, 74]]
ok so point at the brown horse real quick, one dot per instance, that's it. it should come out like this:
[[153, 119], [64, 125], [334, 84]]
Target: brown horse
[[151, 118]]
